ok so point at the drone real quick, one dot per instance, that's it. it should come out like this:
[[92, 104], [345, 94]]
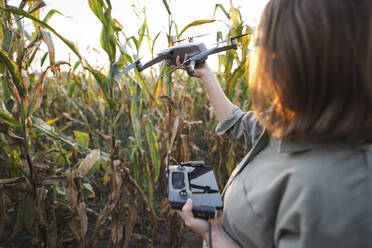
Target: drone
[[197, 53]]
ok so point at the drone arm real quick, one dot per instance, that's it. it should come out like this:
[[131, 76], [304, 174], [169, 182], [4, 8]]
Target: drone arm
[[224, 48], [190, 64], [204, 55], [152, 62]]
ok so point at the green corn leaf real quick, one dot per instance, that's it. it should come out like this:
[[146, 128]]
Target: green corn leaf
[[142, 82], [223, 10], [96, 7], [108, 3], [42, 128], [134, 115], [9, 64], [5, 37], [104, 84], [150, 184], [108, 43], [153, 144], [7, 117], [119, 114], [153, 43], [5, 92], [232, 82], [43, 59], [116, 25], [50, 14], [44, 25], [167, 7], [195, 23], [141, 33], [77, 63], [81, 138]]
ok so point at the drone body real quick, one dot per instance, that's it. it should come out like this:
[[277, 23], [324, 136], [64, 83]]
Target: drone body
[[197, 53], [191, 49]]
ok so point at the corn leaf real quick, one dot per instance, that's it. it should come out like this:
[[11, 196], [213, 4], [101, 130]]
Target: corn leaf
[[223, 10], [42, 128], [47, 38], [96, 7], [141, 32], [167, 7], [7, 117], [45, 25], [104, 84], [88, 162], [50, 15], [81, 138], [5, 91], [5, 37], [108, 42], [150, 184], [152, 141], [9, 64], [195, 23]]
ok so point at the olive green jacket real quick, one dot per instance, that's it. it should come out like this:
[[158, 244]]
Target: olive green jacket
[[296, 194]]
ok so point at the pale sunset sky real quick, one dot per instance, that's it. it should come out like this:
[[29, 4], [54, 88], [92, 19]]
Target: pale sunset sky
[[79, 25]]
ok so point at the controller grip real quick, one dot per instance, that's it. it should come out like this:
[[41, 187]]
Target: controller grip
[[203, 212]]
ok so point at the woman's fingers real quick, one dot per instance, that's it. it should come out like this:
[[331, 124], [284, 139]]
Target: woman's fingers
[[178, 60], [187, 209], [186, 212], [199, 226]]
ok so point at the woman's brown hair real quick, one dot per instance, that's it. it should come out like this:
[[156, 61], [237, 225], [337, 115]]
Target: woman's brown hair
[[311, 69]]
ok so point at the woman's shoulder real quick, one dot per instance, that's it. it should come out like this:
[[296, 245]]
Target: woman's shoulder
[[327, 198], [302, 187]]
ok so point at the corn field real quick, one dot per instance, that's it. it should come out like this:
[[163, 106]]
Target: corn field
[[83, 149]]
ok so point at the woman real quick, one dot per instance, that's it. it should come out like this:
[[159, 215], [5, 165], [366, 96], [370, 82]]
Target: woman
[[307, 181]]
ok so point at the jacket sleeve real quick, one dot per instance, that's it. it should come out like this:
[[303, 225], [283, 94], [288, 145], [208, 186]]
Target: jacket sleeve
[[241, 127]]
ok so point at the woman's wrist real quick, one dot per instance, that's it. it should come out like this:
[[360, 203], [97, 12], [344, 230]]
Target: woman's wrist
[[216, 231], [219, 238], [206, 73]]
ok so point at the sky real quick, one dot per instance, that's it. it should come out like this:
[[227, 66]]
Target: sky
[[79, 25]]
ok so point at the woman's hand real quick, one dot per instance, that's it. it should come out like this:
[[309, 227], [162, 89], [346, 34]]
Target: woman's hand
[[219, 237], [199, 226], [202, 71]]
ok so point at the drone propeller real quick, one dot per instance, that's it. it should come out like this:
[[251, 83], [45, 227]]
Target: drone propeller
[[231, 38], [190, 38]]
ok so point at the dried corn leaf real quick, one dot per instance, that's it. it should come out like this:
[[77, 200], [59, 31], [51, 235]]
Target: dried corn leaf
[[71, 188], [88, 162], [47, 38], [13, 180], [79, 223], [174, 132], [39, 4], [25, 79], [133, 215]]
